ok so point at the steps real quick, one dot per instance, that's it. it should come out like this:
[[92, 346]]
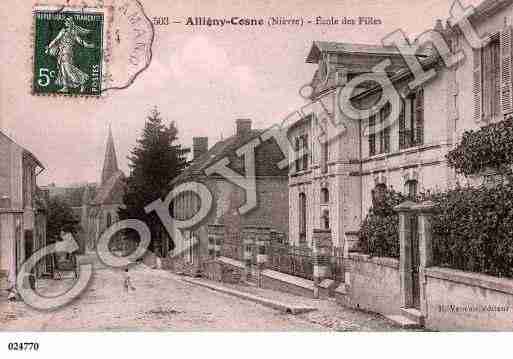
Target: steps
[[410, 318], [414, 315]]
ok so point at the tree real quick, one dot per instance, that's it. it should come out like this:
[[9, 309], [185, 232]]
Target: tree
[[154, 162], [60, 217]]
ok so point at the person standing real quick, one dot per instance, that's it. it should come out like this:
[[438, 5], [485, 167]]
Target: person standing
[[128, 282]]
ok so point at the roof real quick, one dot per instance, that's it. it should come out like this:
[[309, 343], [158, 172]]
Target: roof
[[266, 157], [26, 152], [110, 162], [74, 196], [348, 48], [489, 7], [108, 191]]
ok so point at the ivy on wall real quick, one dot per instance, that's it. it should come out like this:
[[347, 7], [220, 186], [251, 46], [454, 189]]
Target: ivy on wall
[[489, 147]]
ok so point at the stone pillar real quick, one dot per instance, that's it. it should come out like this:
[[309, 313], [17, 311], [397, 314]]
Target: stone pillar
[[248, 240], [263, 237], [215, 240], [425, 212], [405, 261], [321, 251]]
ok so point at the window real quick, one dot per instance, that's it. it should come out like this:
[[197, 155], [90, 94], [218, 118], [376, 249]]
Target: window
[[325, 195], [109, 220], [305, 154], [490, 59], [325, 155], [411, 121], [412, 189], [492, 77], [384, 134], [325, 219], [302, 218], [301, 144], [372, 136], [378, 193]]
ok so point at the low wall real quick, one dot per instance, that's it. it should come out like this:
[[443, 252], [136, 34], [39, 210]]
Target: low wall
[[272, 279], [373, 284], [223, 270], [458, 300]]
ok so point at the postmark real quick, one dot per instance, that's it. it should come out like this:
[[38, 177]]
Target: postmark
[[68, 51]]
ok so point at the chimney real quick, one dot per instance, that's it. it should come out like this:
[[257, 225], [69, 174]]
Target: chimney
[[243, 126], [199, 146], [438, 26]]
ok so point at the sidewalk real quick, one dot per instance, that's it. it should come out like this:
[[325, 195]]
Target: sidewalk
[[324, 312]]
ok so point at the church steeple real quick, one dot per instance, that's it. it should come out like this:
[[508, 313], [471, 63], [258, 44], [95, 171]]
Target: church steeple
[[110, 163]]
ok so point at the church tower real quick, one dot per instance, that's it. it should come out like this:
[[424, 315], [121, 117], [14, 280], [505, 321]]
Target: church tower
[[110, 163]]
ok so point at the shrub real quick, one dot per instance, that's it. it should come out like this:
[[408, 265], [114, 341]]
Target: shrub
[[473, 230], [489, 147], [379, 233]]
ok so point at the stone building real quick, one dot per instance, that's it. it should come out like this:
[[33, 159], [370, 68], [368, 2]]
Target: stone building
[[332, 186], [22, 210], [102, 210], [228, 198]]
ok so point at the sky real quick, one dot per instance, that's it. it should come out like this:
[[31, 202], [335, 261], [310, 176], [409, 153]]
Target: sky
[[202, 78]]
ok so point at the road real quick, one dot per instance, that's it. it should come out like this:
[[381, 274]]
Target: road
[[162, 301]]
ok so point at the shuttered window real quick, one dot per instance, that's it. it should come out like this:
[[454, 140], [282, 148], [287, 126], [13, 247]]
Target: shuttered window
[[492, 78], [490, 62]]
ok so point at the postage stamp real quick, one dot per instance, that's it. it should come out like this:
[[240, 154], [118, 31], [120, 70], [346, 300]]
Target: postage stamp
[[68, 51]]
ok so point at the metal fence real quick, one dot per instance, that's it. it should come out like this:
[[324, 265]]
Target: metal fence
[[290, 259], [287, 258]]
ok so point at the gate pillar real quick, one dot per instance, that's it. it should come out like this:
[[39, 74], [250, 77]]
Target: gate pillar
[[405, 259], [424, 211]]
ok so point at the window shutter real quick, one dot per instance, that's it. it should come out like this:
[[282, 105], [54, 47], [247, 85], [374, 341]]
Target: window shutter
[[296, 148], [477, 83], [419, 117], [506, 100], [305, 149], [402, 126], [372, 136]]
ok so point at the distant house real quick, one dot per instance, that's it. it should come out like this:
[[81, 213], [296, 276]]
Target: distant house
[[22, 210], [271, 187]]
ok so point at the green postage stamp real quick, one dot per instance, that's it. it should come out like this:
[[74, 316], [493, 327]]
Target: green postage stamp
[[68, 51]]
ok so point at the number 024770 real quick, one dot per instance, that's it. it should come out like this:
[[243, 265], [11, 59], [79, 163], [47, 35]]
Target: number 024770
[[24, 347]]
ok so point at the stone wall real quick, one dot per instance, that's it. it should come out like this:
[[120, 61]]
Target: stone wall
[[221, 271], [373, 284], [458, 300]]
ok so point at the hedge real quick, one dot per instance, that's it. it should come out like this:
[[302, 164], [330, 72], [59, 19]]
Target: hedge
[[472, 229]]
